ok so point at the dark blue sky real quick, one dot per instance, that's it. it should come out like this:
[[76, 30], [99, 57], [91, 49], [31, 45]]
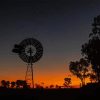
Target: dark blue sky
[[62, 26]]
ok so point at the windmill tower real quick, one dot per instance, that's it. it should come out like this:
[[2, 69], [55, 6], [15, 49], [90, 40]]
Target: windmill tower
[[30, 51]]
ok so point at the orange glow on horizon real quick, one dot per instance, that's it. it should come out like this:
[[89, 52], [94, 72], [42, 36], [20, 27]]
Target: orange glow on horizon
[[48, 80], [47, 76]]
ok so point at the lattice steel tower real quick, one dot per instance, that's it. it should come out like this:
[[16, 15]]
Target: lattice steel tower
[[30, 51]]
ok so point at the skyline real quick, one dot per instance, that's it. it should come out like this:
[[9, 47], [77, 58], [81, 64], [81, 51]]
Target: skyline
[[61, 26]]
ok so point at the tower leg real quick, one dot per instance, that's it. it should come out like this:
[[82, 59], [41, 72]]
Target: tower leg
[[29, 75], [32, 75]]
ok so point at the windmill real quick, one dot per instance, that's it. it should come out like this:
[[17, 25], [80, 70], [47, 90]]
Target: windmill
[[30, 50]]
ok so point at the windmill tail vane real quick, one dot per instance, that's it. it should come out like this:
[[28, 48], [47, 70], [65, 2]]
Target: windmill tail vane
[[17, 49]]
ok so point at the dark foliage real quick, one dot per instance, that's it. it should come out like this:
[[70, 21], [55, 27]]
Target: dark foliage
[[80, 69], [91, 49]]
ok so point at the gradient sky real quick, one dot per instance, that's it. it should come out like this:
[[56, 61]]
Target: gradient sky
[[62, 26]]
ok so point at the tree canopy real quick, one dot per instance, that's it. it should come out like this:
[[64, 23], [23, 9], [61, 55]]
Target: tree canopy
[[79, 69], [91, 49]]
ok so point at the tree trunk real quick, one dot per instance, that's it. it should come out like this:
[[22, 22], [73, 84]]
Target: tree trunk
[[82, 81]]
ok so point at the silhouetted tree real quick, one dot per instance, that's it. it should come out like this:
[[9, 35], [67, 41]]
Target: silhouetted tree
[[67, 82], [3, 83], [51, 86], [91, 49], [38, 86], [42, 83], [57, 86], [13, 84], [80, 69], [21, 84], [7, 84], [24, 84], [93, 77], [18, 82], [46, 87]]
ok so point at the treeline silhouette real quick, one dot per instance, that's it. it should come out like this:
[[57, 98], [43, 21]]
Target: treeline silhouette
[[23, 84], [16, 84], [89, 65]]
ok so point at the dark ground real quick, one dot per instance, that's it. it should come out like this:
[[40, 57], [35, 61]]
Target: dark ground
[[50, 94]]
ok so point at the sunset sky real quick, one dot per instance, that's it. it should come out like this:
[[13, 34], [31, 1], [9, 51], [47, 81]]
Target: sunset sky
[[62, 26]]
